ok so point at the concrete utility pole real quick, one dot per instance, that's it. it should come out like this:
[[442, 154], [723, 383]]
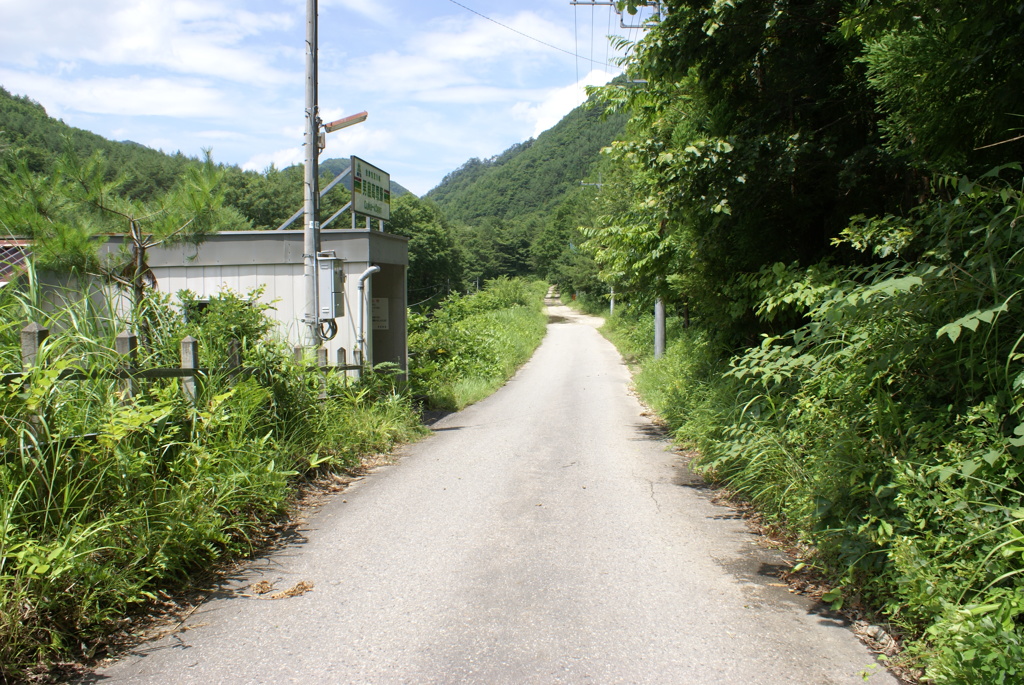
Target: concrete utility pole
[[311, 208], [659, 328]]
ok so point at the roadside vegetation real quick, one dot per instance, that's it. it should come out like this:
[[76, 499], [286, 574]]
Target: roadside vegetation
[[107, 498], [828, 201], [469, 346]]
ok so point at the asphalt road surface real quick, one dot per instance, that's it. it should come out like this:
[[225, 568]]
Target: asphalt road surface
[[545, 535]]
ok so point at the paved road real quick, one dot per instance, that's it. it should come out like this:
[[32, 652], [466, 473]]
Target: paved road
[[546, 535]]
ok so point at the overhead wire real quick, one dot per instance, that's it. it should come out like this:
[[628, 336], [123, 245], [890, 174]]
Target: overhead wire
[[525, 35], [608, 38], [576, 44], [592, 15]]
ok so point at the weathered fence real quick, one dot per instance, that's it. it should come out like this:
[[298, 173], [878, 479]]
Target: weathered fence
[[127, 371]]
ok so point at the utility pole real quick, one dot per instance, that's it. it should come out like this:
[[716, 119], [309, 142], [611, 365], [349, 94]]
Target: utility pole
[[656, 4], [659, 328], [311, 207]]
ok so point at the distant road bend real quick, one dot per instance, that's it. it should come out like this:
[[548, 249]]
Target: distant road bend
[[545, 535]]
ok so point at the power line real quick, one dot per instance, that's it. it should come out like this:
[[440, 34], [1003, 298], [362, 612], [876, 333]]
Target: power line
[[576, 40], [608, 37], [592, 37], [525, 35]]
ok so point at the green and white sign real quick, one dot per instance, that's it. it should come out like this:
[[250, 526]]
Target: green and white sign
[[371, 190]]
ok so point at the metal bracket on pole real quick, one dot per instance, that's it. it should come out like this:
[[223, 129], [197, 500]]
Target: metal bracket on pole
[[338, 213], [656, 4], [330, 186]]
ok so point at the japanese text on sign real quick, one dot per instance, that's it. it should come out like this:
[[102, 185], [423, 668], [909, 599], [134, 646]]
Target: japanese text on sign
[[371, 190]]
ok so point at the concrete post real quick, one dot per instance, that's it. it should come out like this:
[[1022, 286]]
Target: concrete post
[[659, 328], [189, 360], [32, 337], [127, 347]]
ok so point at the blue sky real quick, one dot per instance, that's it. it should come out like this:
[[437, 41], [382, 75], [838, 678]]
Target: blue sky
[[441, 83]]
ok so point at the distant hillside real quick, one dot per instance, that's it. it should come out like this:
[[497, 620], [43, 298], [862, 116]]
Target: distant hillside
[[264, 199], [529, 177], [25, 125]]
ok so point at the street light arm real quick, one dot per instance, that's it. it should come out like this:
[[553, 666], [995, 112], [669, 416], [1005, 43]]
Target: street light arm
[[345, 122]]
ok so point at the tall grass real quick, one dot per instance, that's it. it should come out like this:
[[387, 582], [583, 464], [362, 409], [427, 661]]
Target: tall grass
[[888, 431], [471, 345], [106, 497]]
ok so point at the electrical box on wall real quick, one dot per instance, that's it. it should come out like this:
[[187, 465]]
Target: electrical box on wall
[[331, 279]]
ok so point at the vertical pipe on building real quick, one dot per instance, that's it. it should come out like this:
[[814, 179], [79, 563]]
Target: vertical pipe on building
[[361, 340]]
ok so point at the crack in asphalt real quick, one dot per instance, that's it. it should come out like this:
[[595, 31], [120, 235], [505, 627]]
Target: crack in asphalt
[[654, 499]]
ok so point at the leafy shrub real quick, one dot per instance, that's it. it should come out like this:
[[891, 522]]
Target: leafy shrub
[[888, 430], [472, 344], [107, 496]]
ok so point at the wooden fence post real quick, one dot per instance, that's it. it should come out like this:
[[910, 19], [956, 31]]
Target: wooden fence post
[[234, 357], [189, 360], [32, 337], [342, 363], [127, 346]]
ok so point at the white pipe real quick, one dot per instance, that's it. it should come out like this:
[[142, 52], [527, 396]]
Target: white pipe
[[361, 339]]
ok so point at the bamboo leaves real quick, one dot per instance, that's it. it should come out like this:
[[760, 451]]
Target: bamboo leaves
[[971, 321]]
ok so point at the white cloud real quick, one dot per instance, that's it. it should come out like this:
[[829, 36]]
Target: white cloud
[[476, 95], [458, 53], [221, 135], [132, 96], [376, 10], [209, 39], [479, 39], [280, 159], [559, 102]]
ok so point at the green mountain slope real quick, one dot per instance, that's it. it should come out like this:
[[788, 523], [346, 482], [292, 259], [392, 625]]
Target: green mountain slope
[[519, 213], [529, 177], [39, 138], [264, 198]]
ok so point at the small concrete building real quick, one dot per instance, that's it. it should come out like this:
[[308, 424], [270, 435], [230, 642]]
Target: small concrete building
[[244, 260]]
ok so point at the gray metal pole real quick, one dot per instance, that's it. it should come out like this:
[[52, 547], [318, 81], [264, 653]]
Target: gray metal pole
[[311, 235], [659, 328]]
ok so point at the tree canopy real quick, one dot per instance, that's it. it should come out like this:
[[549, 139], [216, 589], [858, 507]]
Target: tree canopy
[[764, 127]]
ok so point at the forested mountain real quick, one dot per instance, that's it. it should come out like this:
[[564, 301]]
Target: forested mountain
[[264, 198], [529, 177], [39, 139], [518, 213]]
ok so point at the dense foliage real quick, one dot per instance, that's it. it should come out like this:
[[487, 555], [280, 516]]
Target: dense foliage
[[470, 345], [436, 264], [832, 190], [107, 496]]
